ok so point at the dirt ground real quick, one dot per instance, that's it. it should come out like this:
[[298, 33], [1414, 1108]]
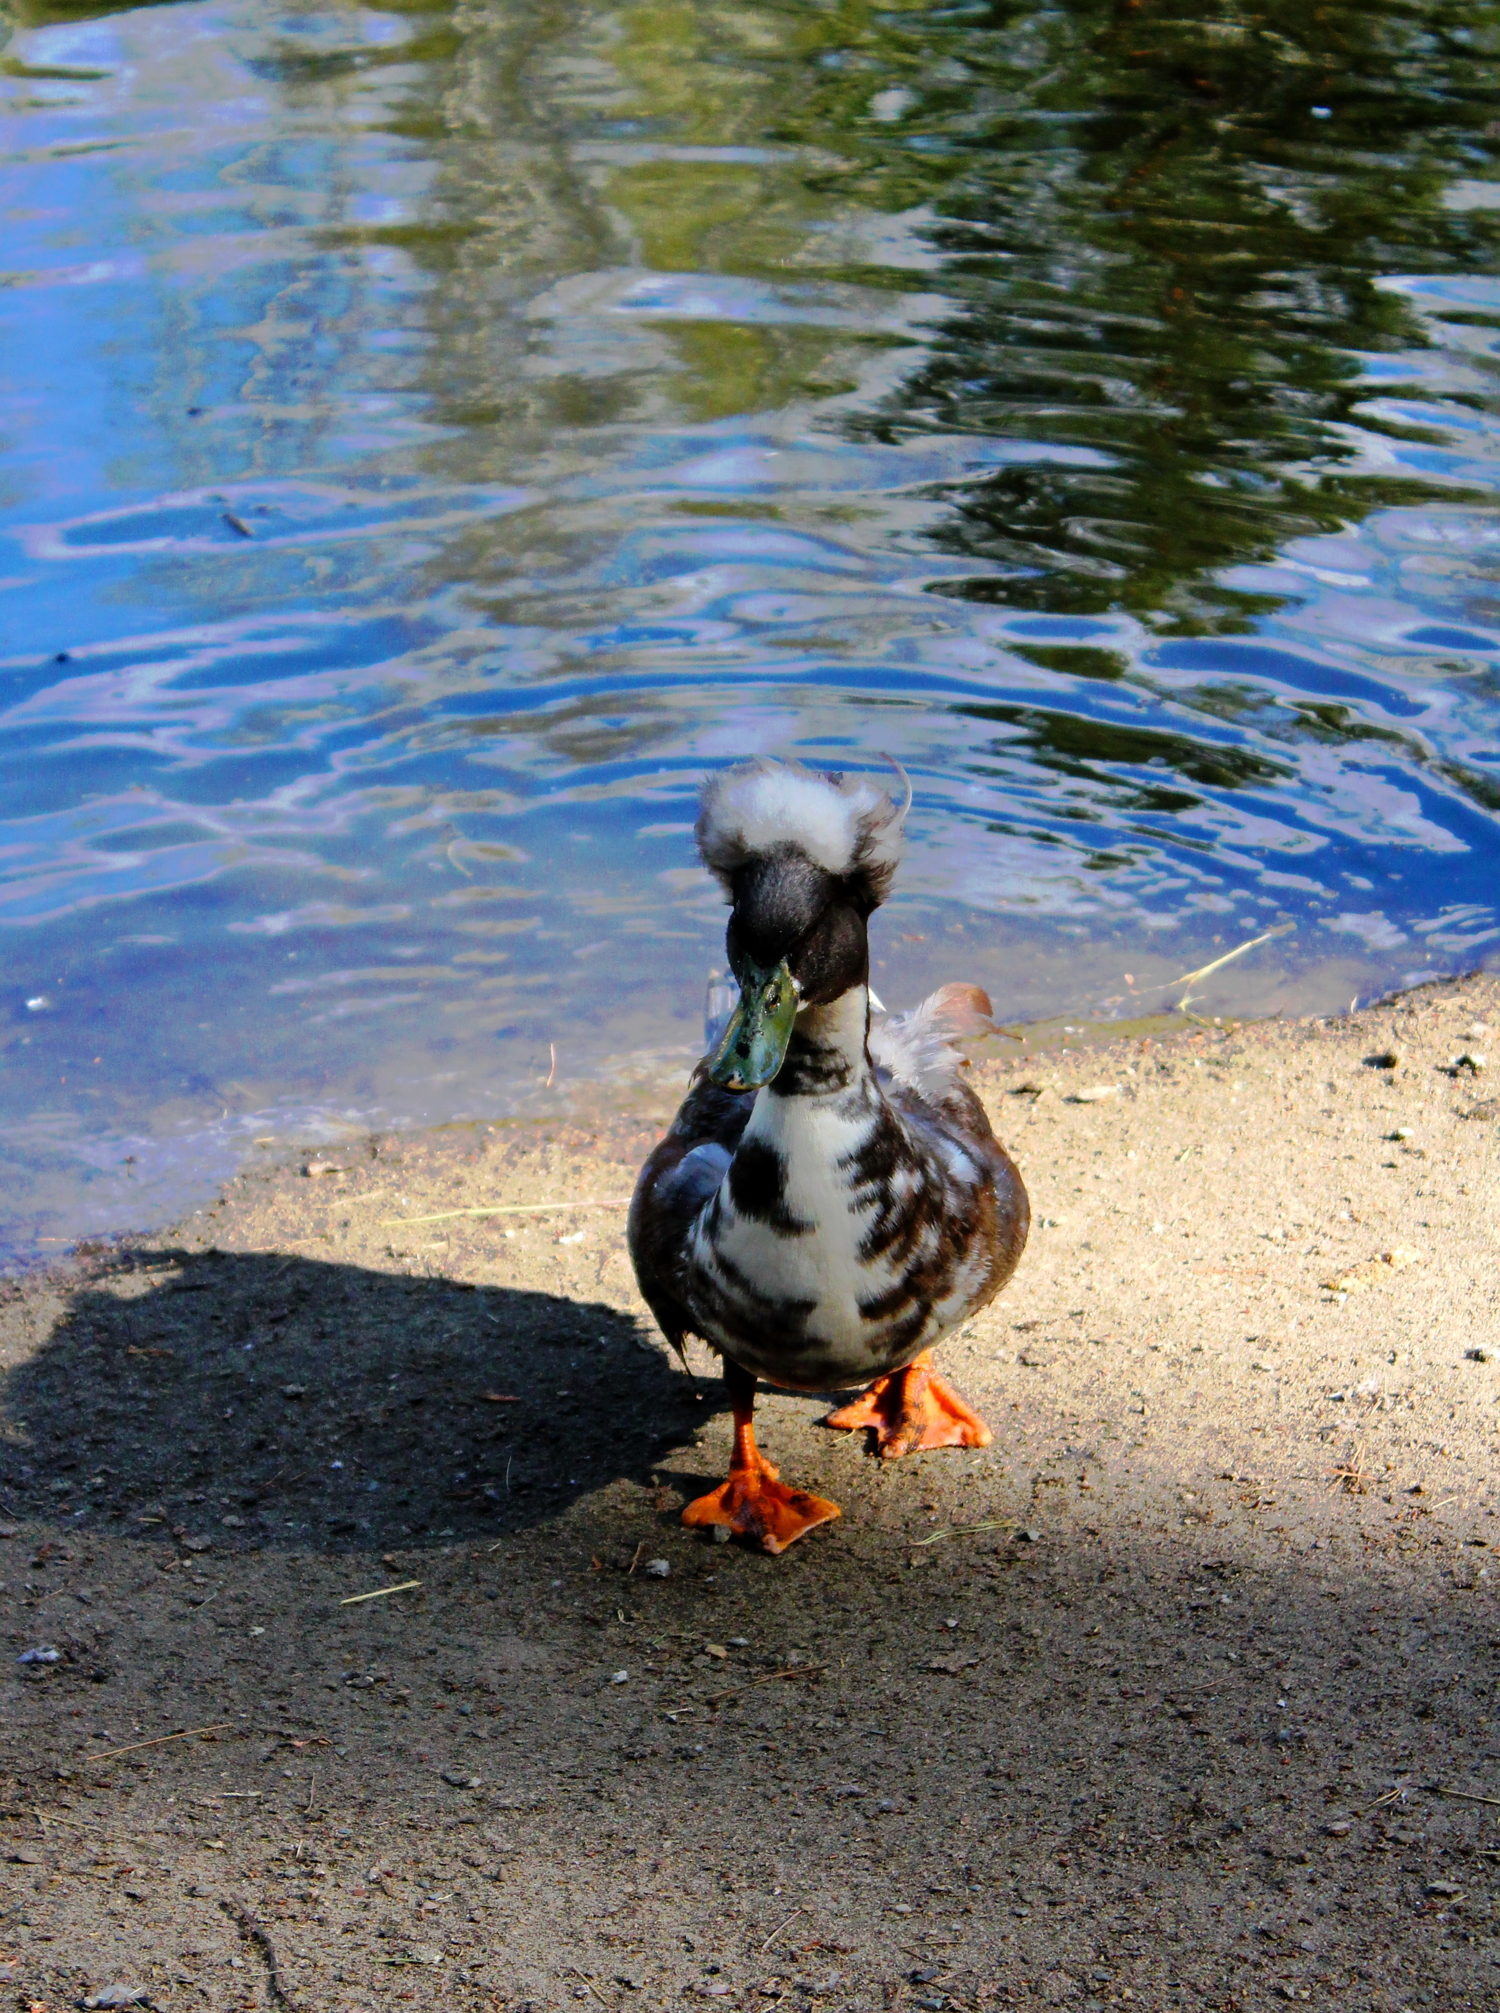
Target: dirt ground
[[1180, 1695]]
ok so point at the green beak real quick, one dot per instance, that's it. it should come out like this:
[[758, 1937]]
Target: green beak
[[754, 1043]]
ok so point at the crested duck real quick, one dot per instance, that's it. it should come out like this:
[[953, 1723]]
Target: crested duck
[[830, 1200]]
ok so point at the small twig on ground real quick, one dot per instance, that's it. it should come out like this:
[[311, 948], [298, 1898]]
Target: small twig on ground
[[260, 1936], [160, 1740], [379, 1593], [636, 1560], [1353, 1478], [962, 1531], [1463, 1795], [587, 1981], [780, 1926], [1390, 1796], [768, 1677]]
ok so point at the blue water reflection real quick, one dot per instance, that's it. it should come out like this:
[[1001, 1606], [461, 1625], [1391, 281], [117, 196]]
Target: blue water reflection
[[431, 435]]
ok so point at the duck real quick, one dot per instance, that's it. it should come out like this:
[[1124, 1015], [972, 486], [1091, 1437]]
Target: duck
[[830, 1200]]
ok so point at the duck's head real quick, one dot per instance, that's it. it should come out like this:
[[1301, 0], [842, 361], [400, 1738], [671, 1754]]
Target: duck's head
[[804, 859]]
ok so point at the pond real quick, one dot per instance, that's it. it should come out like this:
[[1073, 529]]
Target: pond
[[433, 434]]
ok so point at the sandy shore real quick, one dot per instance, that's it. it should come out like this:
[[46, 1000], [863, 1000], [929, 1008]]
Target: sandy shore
[[1182, 1694]]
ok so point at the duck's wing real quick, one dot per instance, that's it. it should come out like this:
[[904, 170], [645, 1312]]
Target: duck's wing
[[922, 1073], [683, 1171], [916, 1052]]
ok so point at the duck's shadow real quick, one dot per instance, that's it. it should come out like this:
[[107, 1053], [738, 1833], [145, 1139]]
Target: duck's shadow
[[259, 1400]]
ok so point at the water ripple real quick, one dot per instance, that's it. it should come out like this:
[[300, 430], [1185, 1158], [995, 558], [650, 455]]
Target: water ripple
[[432, 438]]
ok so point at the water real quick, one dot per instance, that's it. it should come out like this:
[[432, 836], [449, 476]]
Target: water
[[430, 434]]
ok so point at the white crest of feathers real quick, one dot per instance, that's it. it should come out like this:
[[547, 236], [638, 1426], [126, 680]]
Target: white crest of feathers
[[845, 824]]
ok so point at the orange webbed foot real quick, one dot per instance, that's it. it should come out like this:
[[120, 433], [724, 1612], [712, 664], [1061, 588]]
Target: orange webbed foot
[[755, 1504], [912, 1411]]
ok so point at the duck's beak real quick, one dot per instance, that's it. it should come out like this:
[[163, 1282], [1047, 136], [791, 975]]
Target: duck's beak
[[754, 1043]]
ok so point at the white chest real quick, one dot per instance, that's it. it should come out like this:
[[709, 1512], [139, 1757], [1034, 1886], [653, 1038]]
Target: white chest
[[840, 1241], [817, 1143]]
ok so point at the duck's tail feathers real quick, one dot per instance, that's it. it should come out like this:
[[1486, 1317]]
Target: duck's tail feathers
[[917, 1047], [847, 825]]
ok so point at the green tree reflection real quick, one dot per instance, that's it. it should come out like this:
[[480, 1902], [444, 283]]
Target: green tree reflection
[[1164, 227], [1153, 237]]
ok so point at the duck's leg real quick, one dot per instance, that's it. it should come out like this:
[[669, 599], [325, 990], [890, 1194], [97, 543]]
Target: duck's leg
[[911, 1410], [754, 1503]]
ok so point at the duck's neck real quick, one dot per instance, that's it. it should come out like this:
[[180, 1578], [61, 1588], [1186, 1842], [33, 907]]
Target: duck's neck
[[827, 1052]]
